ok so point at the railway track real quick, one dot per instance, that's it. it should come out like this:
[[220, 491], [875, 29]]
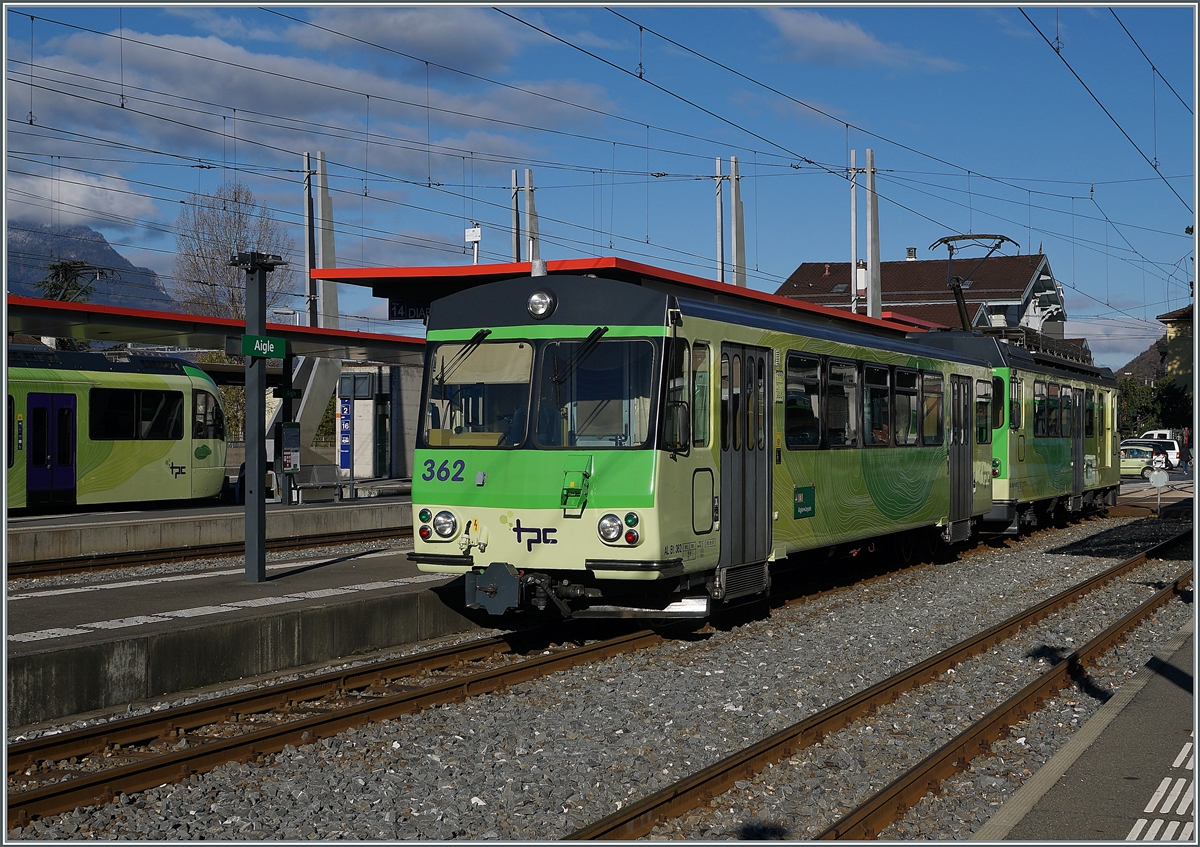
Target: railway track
[[96, 764], [639, 818], [114, 561], [55, 773]]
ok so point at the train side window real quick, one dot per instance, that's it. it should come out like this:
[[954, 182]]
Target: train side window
[[1068, 412], [1053, 410], [161, 415], [64, 430], [12, 436], [877, 423], [1040, 426], [700, 395], [724, 401], [802, 405], [1015, 418], [208, 421], [1089, 414], [677, 392], [932, 421], [907, 429], [762, 405], [842, 404], [112, 414], [735, 402], [39, 433], [997, 402], [983, 411]]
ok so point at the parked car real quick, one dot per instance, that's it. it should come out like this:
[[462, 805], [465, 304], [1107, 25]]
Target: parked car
[[1168, 447], [1137, 461]]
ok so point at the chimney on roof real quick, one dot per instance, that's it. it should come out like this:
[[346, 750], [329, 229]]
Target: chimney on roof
[[911, 254], [826, 269]]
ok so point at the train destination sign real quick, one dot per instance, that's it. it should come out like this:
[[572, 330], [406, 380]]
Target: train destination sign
[[264, 346]]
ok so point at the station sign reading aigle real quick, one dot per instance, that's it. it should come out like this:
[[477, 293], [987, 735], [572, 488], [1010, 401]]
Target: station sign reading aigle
[[264, 346]]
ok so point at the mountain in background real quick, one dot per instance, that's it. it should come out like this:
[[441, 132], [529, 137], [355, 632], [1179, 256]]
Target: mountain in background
[[32, 247], [1147, 366]]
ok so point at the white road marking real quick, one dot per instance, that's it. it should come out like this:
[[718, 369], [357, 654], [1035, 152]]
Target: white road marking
[[158, 580], [1158, 795], [1137, 829], [198, 611], [1173, 796], [1187, 749]]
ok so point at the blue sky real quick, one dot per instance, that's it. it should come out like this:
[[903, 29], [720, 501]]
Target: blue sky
[[977, 123]]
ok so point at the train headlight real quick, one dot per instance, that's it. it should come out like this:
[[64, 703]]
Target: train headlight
[[444, 524], [995, 467], [609, 527], [631, 519], [541, 304]]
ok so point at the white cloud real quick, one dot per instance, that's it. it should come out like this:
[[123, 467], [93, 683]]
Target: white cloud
[[465, 38], [65, 197], [816, 39]]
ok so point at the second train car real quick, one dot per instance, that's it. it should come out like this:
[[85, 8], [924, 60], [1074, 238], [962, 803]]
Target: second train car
[[83, 430], [650, 448]]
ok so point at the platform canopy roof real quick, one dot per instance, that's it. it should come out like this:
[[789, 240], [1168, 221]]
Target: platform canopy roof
[[85, 321], [410, 290]]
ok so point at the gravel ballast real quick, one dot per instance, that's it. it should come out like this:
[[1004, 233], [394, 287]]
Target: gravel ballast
[[549, 756]]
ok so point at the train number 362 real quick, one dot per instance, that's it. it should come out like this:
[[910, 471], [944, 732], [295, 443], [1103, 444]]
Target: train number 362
[[445, 472]]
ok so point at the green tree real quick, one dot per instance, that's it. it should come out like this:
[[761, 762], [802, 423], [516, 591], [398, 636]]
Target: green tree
[[68, 279], [1174, 404], [1138, 405]]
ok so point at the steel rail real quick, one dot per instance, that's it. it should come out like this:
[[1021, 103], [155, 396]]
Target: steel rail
[[141, 729], [69, 565], [892, 802], [639, 818], [139, 776]]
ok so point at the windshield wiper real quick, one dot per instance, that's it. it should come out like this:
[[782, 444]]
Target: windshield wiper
[[462, 355], [585, 348]]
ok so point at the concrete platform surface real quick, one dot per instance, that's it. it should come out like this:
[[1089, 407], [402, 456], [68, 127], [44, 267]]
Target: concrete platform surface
[[1127, 774], [78, 649]]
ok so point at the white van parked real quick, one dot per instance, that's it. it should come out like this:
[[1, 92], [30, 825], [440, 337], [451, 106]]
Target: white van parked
[[1162, 433]]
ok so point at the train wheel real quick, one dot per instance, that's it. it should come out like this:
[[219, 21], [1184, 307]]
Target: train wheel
[[906, 547]]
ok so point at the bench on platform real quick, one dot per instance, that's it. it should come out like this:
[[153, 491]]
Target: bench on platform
[[318, 482]]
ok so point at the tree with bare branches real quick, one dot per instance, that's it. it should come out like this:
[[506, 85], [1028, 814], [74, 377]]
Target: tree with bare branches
[[213, 227]]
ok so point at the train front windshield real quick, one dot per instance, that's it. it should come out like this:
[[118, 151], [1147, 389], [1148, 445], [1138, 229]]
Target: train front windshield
[[593, 393]]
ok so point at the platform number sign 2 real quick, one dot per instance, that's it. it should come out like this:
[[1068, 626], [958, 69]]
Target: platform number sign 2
[[345, 431]]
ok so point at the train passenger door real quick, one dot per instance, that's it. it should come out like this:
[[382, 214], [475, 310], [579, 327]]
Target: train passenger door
[[961, 448], [1078, 452], [50, 457], [745, 504]]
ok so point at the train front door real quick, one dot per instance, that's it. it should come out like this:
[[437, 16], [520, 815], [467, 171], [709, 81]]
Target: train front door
[[50, 462], [962, 445], [745, 503], [1078, 453]]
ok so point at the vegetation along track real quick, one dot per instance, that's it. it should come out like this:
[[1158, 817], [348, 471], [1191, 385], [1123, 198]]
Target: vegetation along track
[[638, 819], [112, 561], [77, 768]]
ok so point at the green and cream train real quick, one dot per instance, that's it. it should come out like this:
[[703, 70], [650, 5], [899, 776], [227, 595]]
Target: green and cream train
[[83, 430], [652, 446]]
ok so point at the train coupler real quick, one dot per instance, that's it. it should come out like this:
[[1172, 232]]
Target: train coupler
[[497, 588]]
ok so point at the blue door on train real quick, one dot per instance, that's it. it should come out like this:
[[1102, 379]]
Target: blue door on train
[[50, 462], [745, 503]]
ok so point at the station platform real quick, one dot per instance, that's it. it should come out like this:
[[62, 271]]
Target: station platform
[[1127, 774], [84, 535], [103, 645]]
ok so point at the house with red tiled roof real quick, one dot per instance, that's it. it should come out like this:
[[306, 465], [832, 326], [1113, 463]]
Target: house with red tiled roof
[[1003, 291]]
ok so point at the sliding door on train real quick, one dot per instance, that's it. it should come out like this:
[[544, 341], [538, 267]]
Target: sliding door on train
[[962, 440], [745, 455], [50, 457]]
